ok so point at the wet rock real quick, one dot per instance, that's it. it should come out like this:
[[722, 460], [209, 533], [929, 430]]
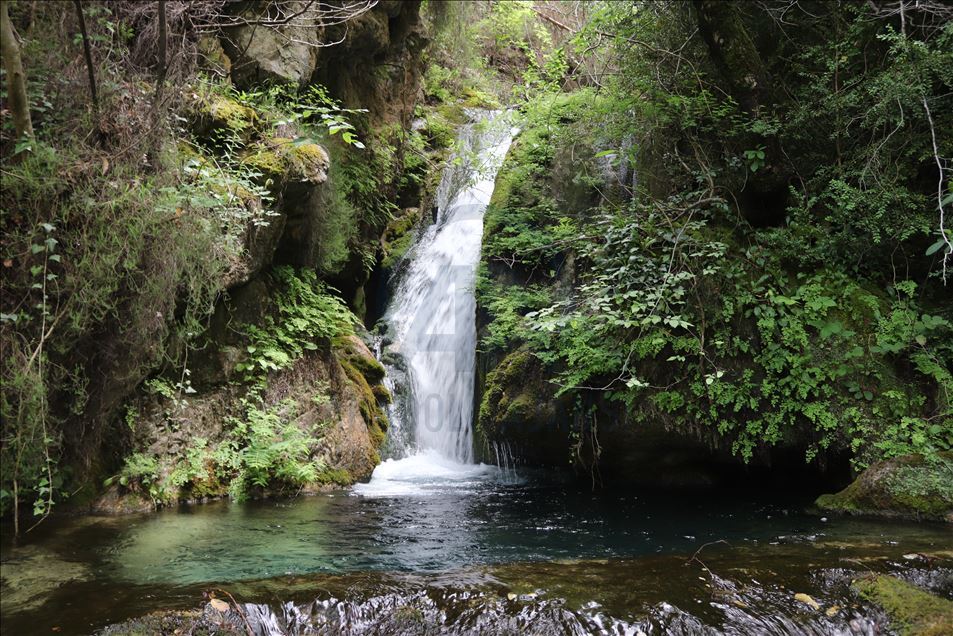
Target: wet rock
[[807, 600], [912, 611]]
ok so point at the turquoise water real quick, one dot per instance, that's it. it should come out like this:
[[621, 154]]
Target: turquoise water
[[420, 526]]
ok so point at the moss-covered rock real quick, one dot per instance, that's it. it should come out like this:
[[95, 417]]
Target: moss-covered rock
[[911, 486], [365, 374], [912, 611], [214, 115], [282, 161], [335, 476], [398, 237], [519, 407], [182, 438]]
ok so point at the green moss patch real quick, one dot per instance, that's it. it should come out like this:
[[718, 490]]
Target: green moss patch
[[368, 403], [510, 394], [336, 476], [912, 611], [399, 236], [217, 115], [282, 160]]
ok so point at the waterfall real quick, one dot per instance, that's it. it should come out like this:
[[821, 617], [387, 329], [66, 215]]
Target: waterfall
[[431, 322]]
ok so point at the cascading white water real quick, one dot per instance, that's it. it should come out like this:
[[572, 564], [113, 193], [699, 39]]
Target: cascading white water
[[432, 318]]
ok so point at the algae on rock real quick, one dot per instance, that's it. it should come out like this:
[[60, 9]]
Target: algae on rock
[[912, 611]]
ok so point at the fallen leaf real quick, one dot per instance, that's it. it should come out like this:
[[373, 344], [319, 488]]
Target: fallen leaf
[[218, 605], [8, 262], [511, 596], [833, 609], [807, 600]]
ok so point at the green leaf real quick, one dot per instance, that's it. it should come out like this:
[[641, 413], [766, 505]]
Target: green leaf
[[935, 247]]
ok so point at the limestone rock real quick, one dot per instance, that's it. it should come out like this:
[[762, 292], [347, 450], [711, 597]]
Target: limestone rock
[[283, 53]]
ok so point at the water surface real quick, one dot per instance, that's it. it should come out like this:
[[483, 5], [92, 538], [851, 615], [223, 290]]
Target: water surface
[[424, 524]]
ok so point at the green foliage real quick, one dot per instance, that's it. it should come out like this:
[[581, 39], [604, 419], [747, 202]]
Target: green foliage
[[438, 82], [275, 453], [306, 317], [710, 291], [140, 472], [263, 450], [524, 224]]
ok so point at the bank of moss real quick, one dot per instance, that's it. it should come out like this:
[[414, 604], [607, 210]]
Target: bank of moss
[[215, 115], [399, 237], [516, 392], [912, 611], [283, 160], [909, 486], [335, 476]]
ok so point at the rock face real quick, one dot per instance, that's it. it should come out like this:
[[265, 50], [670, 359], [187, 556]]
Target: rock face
[[520, 410], [325, 395], [333, 394], [907, 487], [369, 61], [525, 268], [275, 52], [377, 65]]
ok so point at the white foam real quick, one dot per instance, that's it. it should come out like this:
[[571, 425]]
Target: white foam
[[423, 473]]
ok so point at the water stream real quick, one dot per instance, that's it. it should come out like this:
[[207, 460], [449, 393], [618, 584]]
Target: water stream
[[431, 324], [437, 544]]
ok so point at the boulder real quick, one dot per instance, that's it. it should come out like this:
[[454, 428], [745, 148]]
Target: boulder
[[911, 486], [274, 53]]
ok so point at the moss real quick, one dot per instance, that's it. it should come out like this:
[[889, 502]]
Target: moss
[[369, 367], [282, 161], [509, 377], [453, 113], [475, 98], [908, 486], [382, 393], [373, 414], [217, 113], [519, 407], [339, 476], [912, 611]]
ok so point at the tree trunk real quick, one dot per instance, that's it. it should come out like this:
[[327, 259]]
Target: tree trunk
[[733, 52], [16, 80], [88, 54], [163, 46]]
